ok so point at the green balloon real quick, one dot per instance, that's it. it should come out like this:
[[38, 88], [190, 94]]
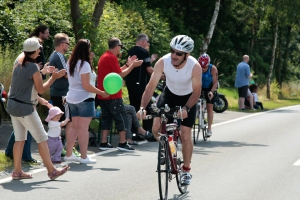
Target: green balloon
[[112, 83]]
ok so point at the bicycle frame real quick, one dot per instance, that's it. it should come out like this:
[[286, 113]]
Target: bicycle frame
[[176, 134]]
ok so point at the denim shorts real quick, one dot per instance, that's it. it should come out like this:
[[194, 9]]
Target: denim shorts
[[83, 109], [113, 110]]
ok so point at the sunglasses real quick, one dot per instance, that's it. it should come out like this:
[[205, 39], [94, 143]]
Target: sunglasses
[[120, 45], [177, 53], [88, 41], [66, 43]]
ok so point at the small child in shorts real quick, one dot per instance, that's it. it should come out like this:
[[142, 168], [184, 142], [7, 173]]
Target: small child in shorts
[[54, 140]]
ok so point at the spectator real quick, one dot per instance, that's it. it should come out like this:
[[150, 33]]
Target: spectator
[[81, 100], [138, 78], [253, 88], [249, 100], [21, 105], [60, 86], [26, 155], [133, 120], [42, 33], [113, 108], [54, 140], [243, 75]]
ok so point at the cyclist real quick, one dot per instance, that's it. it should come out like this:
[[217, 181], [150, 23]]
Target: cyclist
[[209, 85], [183, 87]]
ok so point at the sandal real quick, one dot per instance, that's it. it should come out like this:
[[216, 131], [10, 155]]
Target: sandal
[[20, 175], [55, 174]]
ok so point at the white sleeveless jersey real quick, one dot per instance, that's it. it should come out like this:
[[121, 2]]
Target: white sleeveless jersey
[[179, 81]]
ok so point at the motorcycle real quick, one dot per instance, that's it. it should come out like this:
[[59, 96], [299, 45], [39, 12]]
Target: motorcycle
[[3, 97], [221, 103]]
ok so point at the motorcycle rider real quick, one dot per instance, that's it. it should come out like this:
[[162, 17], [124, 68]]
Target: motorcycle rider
[[209, 86]]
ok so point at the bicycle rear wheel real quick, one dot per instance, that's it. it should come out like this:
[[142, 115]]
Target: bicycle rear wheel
[[182, 189], [163, 167]]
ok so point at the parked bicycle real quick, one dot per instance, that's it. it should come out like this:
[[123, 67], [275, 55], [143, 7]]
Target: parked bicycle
[[169, 165], [200, 122]]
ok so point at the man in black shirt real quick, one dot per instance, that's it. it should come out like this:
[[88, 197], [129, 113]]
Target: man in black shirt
[[138, 78]]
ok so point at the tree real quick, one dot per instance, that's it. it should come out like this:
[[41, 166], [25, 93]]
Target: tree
[[76, 15], [210, 32]]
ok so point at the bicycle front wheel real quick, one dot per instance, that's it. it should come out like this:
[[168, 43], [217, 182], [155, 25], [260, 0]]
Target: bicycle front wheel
[[163, 167], [204, 133]]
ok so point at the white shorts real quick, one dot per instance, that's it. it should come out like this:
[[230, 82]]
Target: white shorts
[[31, 123]]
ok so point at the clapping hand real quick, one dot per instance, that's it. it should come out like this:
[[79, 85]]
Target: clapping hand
[[58, 74]]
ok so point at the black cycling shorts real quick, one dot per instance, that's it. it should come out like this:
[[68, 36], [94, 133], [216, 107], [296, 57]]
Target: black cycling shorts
[[167, 97]]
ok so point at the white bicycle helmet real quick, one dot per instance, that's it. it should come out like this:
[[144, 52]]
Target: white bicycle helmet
[[182, 43]]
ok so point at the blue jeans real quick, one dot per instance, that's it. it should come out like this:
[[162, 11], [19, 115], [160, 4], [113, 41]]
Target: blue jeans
[[26, 156]]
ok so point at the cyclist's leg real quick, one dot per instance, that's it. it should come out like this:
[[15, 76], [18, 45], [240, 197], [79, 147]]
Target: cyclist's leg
[[187, 145], [156, 127]]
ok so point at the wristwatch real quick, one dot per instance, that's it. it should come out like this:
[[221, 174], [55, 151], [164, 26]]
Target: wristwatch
[[187, 108]]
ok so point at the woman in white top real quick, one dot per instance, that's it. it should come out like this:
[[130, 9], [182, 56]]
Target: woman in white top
[[81, 100]]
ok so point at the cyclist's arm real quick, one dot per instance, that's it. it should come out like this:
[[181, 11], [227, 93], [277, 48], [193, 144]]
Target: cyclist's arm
[[197, 84], [155, 77], [214, 73]]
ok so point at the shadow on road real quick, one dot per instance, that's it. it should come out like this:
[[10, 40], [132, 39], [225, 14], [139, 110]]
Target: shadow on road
[[214, 144], [283, 111], [20, 186]]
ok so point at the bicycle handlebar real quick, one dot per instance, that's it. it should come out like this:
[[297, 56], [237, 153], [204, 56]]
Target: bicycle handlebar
[[166, 110]]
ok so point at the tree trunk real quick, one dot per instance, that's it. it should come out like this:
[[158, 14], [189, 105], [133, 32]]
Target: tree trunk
[[278, 58], [286, 54], [75, 15], [98, 11], [272, 60], [210, 32]]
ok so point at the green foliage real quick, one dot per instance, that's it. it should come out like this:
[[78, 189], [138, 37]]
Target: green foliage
[[275, 90]]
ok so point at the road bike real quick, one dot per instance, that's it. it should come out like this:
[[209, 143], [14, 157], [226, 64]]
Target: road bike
[[169, 165], [200, 122]]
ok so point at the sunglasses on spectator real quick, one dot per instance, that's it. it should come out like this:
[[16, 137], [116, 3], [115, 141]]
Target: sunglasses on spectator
[[177, 53], [88, 41], [66, 43]]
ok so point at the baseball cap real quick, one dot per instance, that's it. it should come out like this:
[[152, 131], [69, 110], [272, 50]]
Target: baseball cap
[[53, 112], [31, 44]]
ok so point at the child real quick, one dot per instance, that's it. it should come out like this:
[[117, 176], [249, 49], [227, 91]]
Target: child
[[253, 88], [54, 140]]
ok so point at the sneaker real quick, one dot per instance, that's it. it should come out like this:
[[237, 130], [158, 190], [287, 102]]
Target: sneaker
[[146, 136], [87, 160], [208, 133], [76, 152], [33, 161], [105, 146], [63, 153], [9, 156], [71, 158], [125, 148], [185, 178], [56, 162]]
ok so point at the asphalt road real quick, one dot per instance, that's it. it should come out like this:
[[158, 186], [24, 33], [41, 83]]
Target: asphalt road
[[252, 157]]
